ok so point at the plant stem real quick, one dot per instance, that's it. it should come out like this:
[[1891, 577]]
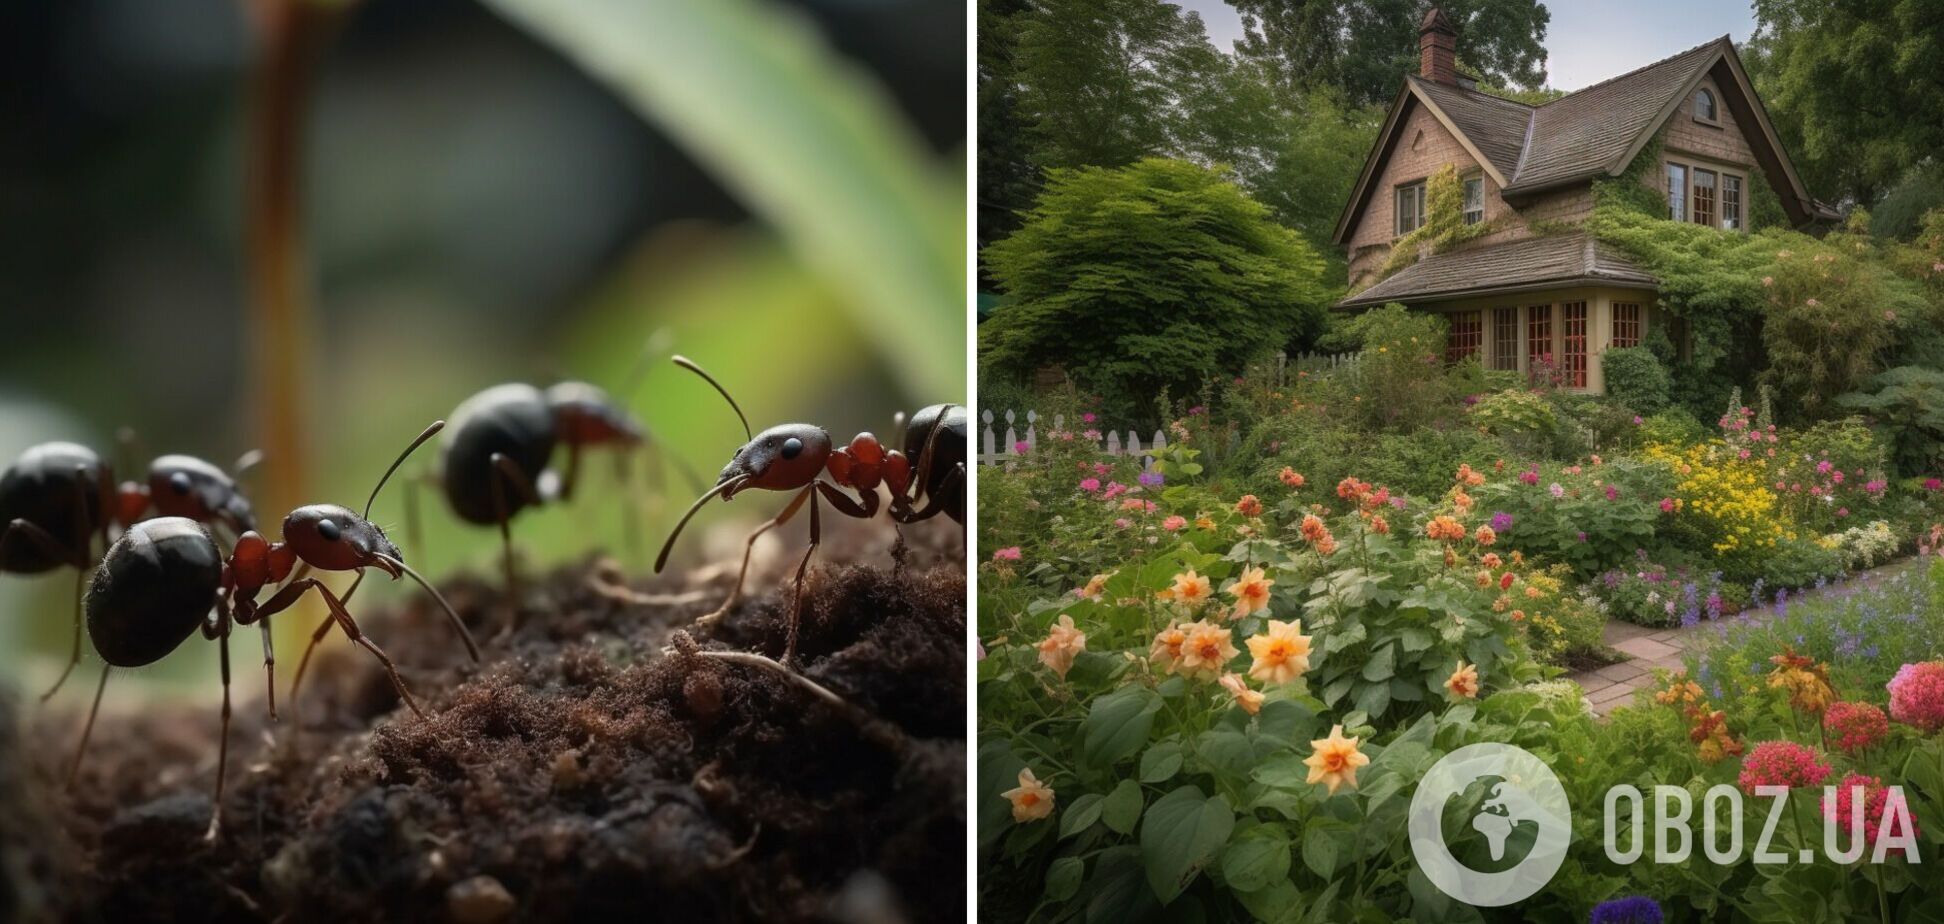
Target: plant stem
[[1883, 898]]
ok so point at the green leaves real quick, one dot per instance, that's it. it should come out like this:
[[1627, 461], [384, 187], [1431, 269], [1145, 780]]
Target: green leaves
[[1122, 808], [1327, 842], [1256, 858], [1179, 835], [1117, 725]]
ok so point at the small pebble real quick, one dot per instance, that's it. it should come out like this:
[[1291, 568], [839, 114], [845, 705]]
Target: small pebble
[[567, 770], [479, 900]]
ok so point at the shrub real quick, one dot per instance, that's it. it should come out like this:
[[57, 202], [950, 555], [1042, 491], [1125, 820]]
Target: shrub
[[1906, 405], [1591, 516], [1635, 378], [1672, 427], [1523, 419]]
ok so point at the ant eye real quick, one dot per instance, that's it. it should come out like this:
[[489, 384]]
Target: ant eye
[[329, 530], [792, 448], [179, 483]]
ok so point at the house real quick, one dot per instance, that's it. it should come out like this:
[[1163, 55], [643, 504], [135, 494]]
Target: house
[[1531, 291]]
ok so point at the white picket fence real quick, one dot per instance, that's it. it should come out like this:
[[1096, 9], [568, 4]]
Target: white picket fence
[[993, 450]]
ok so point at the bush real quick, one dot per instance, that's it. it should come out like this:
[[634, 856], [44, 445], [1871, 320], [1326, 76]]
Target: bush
[[1155, 276], [1523, 419], [1591, 517], [1635, 378], [1672, 427], [1906, 405]]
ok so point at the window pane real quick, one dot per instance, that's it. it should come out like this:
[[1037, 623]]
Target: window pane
[[1704, 197], [1410, 208], [1474, 200], [1539, 340], [1505, 338], [1704, 105], [1626, 325], [1677, 192], [1467, 333], [1572, 364], [1731, 198]]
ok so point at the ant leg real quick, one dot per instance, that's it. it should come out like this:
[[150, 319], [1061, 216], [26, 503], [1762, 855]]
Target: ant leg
[[572, 476], [509, 471], [74, 658], [323, 629], [222, 746], [934, 503], [74, 769], [269, 668], [289, 595], [803, 568], [796, 503], [52, 547]]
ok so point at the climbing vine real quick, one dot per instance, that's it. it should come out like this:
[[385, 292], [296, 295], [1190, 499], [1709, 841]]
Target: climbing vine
[[1444, 223]]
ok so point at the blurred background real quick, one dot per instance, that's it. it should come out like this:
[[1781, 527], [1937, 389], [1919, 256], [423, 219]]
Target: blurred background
[[511, 191]]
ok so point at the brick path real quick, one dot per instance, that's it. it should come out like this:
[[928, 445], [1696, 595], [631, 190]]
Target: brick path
[[1648, 649]]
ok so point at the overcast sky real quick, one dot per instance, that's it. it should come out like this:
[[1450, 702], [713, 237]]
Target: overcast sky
[[1587, 40]]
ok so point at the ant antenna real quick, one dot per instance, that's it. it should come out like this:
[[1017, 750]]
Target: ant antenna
[[451, 615], [690, 365], [662, 559], [436, 426], [657, 341], [246, 463]]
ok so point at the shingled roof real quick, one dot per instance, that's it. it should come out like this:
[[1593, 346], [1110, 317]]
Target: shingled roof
[[1552, 261], [1585, 134]]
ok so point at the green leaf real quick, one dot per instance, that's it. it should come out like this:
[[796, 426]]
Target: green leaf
[[1344, 637], [1381, 665], [1117, 725], [1179, 835], [803, 139], [1160, 762], [1374, 699], [1063, 878], [1080, 814], [1326, 843], [1122, 807], [1256, 858]]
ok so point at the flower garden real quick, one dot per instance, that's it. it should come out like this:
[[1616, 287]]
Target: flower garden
[[1207, 689]]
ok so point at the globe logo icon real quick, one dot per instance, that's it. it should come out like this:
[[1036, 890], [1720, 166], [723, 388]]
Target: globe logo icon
[[1509, 819]]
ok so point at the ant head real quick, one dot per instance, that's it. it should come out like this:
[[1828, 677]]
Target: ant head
[[584, 415], [333, 538], [185, 486], [778, 459]]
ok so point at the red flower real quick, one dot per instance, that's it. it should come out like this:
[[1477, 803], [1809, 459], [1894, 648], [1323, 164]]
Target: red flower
[[1854, 727], [1782, 763], [1876, 800]]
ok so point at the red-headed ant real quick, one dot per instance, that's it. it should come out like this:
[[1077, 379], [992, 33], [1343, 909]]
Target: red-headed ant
[[165, 578], [792, 457]]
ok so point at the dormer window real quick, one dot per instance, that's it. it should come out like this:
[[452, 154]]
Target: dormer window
[[1704, 106]]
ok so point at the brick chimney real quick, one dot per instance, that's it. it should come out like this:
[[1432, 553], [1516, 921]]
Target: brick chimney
[[1438, 48]]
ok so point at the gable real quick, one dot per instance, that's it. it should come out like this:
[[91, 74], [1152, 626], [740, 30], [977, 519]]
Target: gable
[[1422, 145]]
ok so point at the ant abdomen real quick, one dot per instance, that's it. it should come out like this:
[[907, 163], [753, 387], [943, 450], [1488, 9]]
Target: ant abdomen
[[152, 590], [513, 421], [944, 477], [62, 488]]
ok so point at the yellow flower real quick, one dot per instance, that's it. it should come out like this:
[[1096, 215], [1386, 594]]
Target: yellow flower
[[1463, 682], [1031, 800], [1207, 649], [1333, 761], [1189, 587], [1251, 592], [1249, 700], [1062, 643], [1281, 654]]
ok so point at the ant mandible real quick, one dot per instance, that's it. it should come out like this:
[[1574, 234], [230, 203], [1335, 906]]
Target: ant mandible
[[165, 578], [793, 457]]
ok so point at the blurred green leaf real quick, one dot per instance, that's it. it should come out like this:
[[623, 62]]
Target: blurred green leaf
[[805, 140]]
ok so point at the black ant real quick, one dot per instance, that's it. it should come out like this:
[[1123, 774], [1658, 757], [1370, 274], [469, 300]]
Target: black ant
[[792, 457], [165, 578], [493, 460]]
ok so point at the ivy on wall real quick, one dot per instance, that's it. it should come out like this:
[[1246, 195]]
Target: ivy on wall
[[1444, 223]]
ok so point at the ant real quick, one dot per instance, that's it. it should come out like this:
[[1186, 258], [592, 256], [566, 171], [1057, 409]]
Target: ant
[[493, 461], [793, 457], [56, 496], [165, 578]]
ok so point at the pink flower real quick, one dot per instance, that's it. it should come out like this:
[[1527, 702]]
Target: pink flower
[[1021, 448], [1854, 727], [1091, 434], [1933, 484], [1917, 695], [1612, 493], [1842, 512], [1174, 522], [1090, 485], [1114, 489], [1781, 763], [1529, 476], [1009, 553], [1876, 801], [1101, 468], [1088, 417], [1637, 420], [1123, 522], [1811, 302], [1667, 505]]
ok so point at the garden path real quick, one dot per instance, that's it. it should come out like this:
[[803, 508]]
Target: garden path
[[1650, 649]]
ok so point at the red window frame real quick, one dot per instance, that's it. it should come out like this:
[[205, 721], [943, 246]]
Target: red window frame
[[1505, 338], [1626, 325], [1539, 337], [1572, 364], [1466, 337]]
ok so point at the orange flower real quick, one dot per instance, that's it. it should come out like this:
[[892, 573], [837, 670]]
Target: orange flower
[[1249, 700], [1352, 489], [1326, 545], [1462, 501], [1485, 536], [1204, 523], [1032, 800], [1463, 682], [1313, 528], [1251, 592], [1189, 588], [1281, 654], [1491, 560], [1096, 585], [1292, 478], [1379, 525], [1165, 652], [1061, 645], [1445, 528], [1333, 761], [1206, 651], [1249, 506], [1517, 615], [1467, 476]]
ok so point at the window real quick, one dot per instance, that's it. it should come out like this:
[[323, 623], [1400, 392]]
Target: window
[[1704, 105], [1626, 325], [1704, 197], [1539, 339], [1677, 192], [1505, 338], [1467, 334], [1731, 198], [1474, 200], [1572, 359], [1410, 208]]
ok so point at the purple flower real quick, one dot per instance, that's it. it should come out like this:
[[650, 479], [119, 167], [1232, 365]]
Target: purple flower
[[1152, 479], [1634, 909], [1582, 536], [1501, 521]]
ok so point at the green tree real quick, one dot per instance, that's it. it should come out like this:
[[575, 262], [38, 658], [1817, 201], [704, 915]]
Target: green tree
[[1100, 81], [1153, 276], [1855, 88], [1365, 47], [1006, 175]]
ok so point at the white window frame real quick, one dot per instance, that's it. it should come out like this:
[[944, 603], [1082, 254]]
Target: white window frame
[[1414, 193], [1677, 192], [1737, 222], [1474, 215], [1713, 116]]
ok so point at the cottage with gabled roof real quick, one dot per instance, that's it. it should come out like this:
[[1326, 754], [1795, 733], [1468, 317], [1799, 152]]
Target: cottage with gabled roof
[[1527, 289]]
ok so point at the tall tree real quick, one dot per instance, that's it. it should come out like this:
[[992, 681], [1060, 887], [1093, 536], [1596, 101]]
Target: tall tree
[[1856, 88], [1364, 47], [1006, 175]]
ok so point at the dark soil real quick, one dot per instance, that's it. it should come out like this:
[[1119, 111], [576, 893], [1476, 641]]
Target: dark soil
[[577, 773]]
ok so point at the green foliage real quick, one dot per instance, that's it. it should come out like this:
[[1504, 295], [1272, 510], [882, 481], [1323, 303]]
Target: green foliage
[[1444, 223], [1150, 277], [1900, 213], [1006, 175], [1522, 418], [1672, 427], [1906, 405], [1592, 517], [1398, 381], [1635, 378], [1361, 48]]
